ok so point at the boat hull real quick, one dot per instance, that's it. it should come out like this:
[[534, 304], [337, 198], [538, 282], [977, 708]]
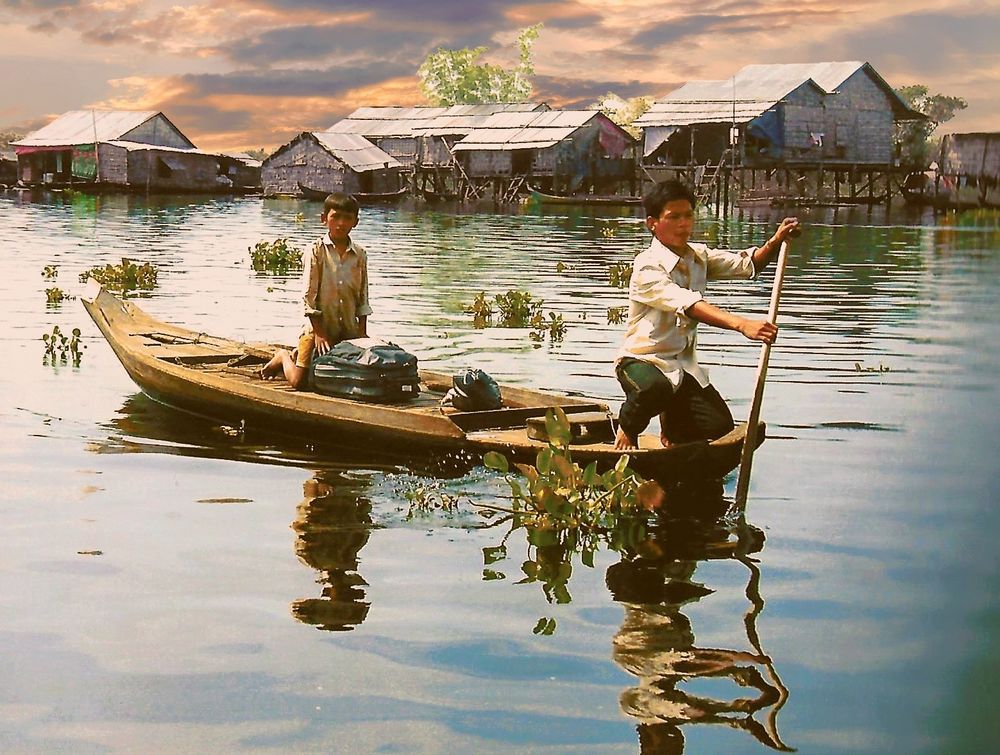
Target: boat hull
[[219, 378]]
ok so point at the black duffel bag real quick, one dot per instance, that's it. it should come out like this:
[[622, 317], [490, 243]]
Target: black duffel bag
[[366, 369]]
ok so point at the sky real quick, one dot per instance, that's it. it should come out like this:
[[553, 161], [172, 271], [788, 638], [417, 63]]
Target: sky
[[244, 74]]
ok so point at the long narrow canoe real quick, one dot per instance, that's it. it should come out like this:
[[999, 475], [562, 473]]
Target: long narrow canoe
[[219, 378], [369, 197], [598, 199]]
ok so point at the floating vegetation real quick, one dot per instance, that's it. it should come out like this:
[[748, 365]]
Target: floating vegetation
[[55, 295], [300, 217], [858, 367], [567, 511], [126, 277], [617, 315], [62, 349], [481, 310], [516, 309], [619, 274], [560, 267], [50, 272], [276, 256], [424, 500], [554, 326]]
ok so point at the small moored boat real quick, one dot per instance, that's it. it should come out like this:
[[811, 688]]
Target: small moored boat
[[220, 378], [369, 197], [599, 199]]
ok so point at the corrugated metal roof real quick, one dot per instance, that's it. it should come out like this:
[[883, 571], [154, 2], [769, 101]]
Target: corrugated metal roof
[[86, 127], [507, 131], [386, 121], [461, 119], [136, 146], [355, 151], [753, 90]]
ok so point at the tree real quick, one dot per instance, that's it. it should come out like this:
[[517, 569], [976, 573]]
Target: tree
[[624, 111], [913, 138], [6, 137], [456, 77]]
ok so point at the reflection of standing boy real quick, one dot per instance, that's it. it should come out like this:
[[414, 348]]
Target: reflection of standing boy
[[657, 365], [336, 298]]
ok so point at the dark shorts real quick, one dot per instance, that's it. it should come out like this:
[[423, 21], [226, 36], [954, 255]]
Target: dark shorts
[[688, 413]]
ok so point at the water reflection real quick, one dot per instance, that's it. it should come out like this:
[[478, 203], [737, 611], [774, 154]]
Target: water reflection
[[331, 529], [656, 641], [143, 425]]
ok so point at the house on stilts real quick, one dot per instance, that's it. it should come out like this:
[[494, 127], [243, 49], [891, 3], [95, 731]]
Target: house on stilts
[[781, 131], [316, 163], [559, 151], [120, 150]]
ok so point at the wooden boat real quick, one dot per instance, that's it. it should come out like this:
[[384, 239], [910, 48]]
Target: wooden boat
[[364, 198], [219, 378], [543, 198]]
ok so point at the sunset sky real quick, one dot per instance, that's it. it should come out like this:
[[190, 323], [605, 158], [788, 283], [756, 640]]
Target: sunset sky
[[236, 74]]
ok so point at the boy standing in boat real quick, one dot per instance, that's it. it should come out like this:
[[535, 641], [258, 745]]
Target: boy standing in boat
[[657, 365], [336, 297]]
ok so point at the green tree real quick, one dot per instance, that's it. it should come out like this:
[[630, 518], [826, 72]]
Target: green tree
[[6, 137], [624, 111], [913, 138], [456, 77]]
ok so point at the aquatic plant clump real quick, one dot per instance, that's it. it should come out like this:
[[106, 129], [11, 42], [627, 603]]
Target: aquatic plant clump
[[516, 309], [566, 510], [62, 348], [278, 257], [126, 277], [620, 274], [55, 295]]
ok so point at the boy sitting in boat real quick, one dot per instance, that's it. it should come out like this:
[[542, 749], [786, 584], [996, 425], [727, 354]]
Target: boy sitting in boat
[[657, 365], [336, 297]]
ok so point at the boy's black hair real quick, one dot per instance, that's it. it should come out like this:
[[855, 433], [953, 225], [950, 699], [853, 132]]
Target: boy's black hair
[[338, 200], [666, 191]]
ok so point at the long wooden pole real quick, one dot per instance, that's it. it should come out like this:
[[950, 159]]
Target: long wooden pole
[[750, 441]]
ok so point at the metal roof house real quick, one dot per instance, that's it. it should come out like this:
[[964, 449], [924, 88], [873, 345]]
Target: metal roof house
[[391, 129], [117, 148], [327, 161], [438, 134], [804, 113], [568, 151]]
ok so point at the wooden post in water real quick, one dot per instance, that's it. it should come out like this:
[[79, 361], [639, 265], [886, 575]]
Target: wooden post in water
[[750, 440]]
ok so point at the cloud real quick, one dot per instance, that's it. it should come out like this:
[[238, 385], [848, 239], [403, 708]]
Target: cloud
[[311, 43], [564, 92], [449, 13]]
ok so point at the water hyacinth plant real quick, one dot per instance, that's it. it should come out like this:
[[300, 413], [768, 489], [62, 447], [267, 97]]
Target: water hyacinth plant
[[55, 295], [619, 274], [60, 348], [568, 512], [278, 257], [124, 278], [516, 309]]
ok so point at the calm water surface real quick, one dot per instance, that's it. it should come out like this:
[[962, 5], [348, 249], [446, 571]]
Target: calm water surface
[[168, 584]]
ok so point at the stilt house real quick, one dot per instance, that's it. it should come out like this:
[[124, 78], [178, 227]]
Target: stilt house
[[325, 161], [392, 129], [138, 150], [970, 166], [565, 151], [809, 113]]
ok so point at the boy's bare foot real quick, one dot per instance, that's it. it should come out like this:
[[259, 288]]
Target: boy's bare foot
[[623, 442], [665, 441]]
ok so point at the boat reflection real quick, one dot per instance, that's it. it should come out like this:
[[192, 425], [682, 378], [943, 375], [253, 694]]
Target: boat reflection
[[143, 425], [331, 528], [656, 641]]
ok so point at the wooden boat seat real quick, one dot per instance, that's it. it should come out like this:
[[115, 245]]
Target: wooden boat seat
[[585, 427], [494, 419]]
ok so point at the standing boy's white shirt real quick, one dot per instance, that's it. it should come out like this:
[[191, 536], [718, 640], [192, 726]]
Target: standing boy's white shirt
[[663, 287]]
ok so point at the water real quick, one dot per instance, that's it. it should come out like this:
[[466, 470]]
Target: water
[[170, 585]]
